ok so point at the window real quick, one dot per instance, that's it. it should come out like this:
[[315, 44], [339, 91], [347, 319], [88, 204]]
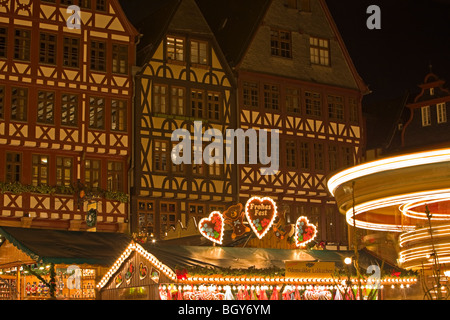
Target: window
[[215, 170], [118, 115], [161, 156], [291, 154], [115, 176], [97, 113], [46, 107], [320, 51], [177, 101], [47, 48], [71, 52], [271, 97], [293, 100], [426, 116], [19, 102], [313, 104], [441, 113], [86, 4], [197, 169], [120, 59], [318, 156], [167, 216], [160, 98], [100, 5], [64, 170], [280, 43], [251, 94], [331, 219], [69, 109], [199, 52], [353, 110], [2, 102], [197, 104], [22, 42], [3, 42], [175, 48], [332, 158], [197, 211], [39, 170], [13, 167], [336, 107], [177, 168], [304, 155], [214, 105], [98, 55], [347, 155], [92, 173], [146, 217]]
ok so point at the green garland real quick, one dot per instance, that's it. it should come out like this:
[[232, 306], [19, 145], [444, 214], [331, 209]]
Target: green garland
[[51, 284]]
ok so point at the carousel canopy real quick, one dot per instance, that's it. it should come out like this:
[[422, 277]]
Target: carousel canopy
[[67, 247]]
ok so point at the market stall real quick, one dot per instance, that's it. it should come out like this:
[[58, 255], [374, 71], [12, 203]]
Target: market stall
[[150, 271], [38, 264]]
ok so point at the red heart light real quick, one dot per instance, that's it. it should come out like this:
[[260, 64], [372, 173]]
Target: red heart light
[[212, 227], [260, 213], [304, 232]]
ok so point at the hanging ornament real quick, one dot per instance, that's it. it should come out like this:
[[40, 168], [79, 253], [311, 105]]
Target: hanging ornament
[[304, 232], [275, 293], [212, 227], [228, 294], [261, 214], [234, 217]]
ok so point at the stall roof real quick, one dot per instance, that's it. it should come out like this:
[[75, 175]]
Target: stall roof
[[241, 258], [67, 247]]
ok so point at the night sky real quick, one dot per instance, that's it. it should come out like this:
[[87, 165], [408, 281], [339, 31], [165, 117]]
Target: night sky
[[414, 33]]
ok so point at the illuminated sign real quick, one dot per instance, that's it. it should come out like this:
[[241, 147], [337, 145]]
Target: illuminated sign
[[212, 227], [260, 213], [304, 232], [305, 269]]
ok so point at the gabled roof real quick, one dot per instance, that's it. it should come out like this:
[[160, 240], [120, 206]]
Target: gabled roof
[[67, 247], [234, 22]]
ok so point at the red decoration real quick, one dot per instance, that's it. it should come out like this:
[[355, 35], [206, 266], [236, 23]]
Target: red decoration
[[212, 227], [304, 232]]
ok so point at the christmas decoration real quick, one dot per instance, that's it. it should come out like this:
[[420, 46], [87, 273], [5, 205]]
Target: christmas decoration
[[304, 232], [212, 227], [143, 271], [261, 213], [234, 217]]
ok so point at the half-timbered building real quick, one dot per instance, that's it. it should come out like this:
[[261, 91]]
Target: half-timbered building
[[183, 78], [294, 74], [65, 113]]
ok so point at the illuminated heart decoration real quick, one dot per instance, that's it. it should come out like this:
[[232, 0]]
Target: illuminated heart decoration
[[304, 232], [212, 227], [261, 214]]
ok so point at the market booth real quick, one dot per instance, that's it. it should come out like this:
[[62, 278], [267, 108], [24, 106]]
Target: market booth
[[149, 271], [30, 259]]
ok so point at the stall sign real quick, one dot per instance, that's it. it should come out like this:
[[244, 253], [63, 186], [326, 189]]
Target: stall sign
[[304, 269]]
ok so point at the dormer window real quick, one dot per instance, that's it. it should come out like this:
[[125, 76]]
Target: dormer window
[[431, 91], [175, 48], [426, 116], [441, 113]]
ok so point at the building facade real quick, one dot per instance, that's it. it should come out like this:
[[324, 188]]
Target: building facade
[[295, 75], [65, 114], [183, 79]]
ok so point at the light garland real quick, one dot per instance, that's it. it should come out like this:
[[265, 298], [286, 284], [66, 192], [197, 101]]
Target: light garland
[[260, 230], [126, 254]]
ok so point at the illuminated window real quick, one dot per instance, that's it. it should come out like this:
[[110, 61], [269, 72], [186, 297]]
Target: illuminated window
[[64, 169], [19, 103], [146, 217], [177, 101], [441, 113], [426, 116], [161, 156], [319, 51], [92, 173], [199, 52], [175, 48], [39, 170], [214, 105], [118, 115], [197, 104]]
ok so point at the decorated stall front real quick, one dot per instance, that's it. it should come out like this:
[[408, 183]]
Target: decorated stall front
[[38, 264]]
